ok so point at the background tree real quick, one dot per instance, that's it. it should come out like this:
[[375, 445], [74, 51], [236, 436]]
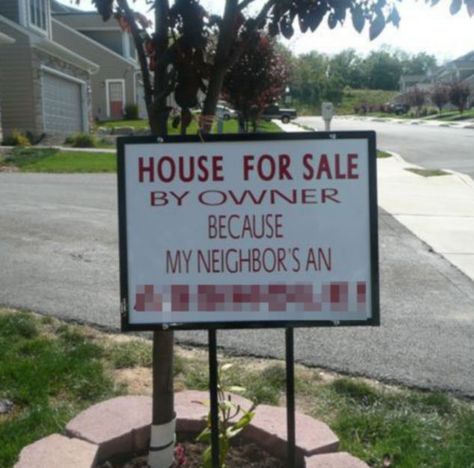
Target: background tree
[[382, 70], [459, 93], [256, 80], [419, 64], [416, 97], [440, 96], [176, 56]]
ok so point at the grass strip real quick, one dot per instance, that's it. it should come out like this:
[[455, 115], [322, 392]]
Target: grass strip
[[56, 161], [427, 172], [229, 126], [52, 370]]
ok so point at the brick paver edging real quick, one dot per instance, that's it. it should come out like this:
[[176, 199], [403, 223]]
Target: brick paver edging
[[122, 425]]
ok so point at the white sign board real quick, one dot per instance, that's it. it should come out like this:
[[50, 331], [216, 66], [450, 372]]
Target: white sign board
[[270, 230]]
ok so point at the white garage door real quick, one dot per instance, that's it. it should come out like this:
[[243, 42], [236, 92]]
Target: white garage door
[[62, 105]]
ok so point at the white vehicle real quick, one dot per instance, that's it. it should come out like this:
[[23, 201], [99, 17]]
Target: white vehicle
[[226, 112]]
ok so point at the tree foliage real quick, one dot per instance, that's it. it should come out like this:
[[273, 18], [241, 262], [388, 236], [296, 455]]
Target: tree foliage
[[190, 49], [256, 80], [416, 97], [459, 93], [440, 95]]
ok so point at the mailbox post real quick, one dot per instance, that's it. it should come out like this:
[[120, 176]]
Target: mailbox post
[[327, 112]]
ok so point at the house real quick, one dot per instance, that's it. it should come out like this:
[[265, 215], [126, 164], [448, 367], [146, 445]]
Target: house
[[118, 80], [44, 87], [61, 68], [460, 69]]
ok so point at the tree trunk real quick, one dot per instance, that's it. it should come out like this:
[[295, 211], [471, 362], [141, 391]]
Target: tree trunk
[[163, 421], [226, 41]]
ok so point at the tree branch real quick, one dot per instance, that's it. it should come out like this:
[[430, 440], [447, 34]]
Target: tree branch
[[237, 52], [244, 4]]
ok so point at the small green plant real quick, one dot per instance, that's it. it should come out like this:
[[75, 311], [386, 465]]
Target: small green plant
[[232, 420], [17, 138], [131, 112], [81, 140]]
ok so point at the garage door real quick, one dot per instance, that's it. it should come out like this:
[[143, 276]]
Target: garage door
[[62, 105]]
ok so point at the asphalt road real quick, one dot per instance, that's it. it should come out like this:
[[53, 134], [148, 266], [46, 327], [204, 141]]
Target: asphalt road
[[430, 147], [59, 255]]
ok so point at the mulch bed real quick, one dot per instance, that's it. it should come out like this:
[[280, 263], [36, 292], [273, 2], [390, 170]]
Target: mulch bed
[[241, 455]]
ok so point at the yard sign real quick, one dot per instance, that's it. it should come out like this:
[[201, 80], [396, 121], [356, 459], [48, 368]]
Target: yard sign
[[248, 231]]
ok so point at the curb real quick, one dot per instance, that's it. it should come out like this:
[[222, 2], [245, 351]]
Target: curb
[[121, 426], [431, 123], [464, 178]]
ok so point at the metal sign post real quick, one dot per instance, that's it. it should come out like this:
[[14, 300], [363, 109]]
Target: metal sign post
[[290, 397], [213, 390]]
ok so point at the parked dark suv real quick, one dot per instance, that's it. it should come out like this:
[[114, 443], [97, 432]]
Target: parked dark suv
[[275, 112], [399, 108]]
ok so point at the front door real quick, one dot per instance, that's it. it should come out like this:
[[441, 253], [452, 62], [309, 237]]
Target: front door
[[116, 99]]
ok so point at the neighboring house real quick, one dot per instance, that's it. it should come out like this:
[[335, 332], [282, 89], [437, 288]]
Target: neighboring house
[[4, 39], [461, 69], [117, 82], [408, 81], [44, 87]]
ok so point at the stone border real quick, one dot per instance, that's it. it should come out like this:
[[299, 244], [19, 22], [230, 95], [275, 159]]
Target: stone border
[[122, 425]]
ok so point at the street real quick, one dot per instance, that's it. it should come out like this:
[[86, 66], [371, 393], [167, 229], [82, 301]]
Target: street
[[59, 255], [427, 146]]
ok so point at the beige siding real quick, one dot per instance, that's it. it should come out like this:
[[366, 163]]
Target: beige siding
[[9, 9], [16, 83], [111, 67], [89, 20], [110, 39]]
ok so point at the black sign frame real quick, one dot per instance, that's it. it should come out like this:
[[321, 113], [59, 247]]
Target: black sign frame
[[370, 136]]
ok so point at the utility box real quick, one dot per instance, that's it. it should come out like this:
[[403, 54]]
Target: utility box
[[327, 110]]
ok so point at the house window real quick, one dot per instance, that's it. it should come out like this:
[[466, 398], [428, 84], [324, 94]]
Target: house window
[[38, 14]]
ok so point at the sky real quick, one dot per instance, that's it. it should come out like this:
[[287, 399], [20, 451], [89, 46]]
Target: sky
[[422, 29]]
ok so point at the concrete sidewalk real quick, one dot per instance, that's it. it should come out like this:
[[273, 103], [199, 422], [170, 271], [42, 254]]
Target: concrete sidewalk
[[439, 210], [469, 123]]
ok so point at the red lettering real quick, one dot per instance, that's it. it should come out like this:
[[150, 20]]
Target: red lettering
[[308, 174], [248, 166], [284, 162], [148, 169], [324, 167], [329, 194], [352, 166]]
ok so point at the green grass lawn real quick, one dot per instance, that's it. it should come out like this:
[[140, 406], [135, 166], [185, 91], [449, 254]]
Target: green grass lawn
[[51, 370], [230, 126], [453, 116], [53, 160], [383, 154], [56, 161]]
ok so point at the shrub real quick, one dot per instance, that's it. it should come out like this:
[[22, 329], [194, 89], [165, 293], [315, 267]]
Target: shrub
[[131, 112], [440, 96], [81, 140], [459, 95], [17, 138]]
